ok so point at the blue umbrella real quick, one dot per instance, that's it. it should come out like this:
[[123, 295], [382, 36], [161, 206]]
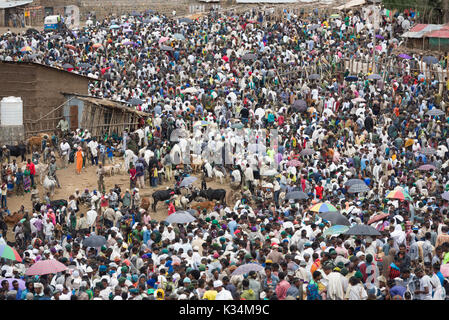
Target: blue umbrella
[[351, 78], [335, 230], [114, 26], [187, 181]]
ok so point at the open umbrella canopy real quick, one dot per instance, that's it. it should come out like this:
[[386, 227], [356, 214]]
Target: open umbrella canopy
[[362, 230], [163, 39], [374, 76], [430, 60], [67, 66], [428, 151], [335, 230], [84, 65], [94, 241], [399, 194], [335, 217], [427, 167], [249, 56], [45, 267], [190, 90], [358, 188], [351, 78], [114, 26], [187, 181], [296, 195], [404, 56], [9, 253], [166, 48], [378, 217], [314, 76], [435, 112], [179, 36], [185, 20], [323, 207], [445, 195], [237, 125], [246, 268], [135, 101], [180, 217], [307, 152], [97, 45], [21, 282], [299, 105], [352, 182], [294, 163], [82, 40], [26, 49]]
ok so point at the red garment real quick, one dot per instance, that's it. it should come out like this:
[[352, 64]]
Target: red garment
[[281, 289], [171, 208], [133, 174], [32, 168], [280, 120], [319, 192]]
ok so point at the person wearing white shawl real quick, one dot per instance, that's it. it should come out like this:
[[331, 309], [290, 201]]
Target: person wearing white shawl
[[398, 236]]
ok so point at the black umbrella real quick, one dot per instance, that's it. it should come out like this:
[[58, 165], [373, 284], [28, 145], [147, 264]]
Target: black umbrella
[[185, 20], [357, 188], [362, 230], [351, 182], [314, 76], [32, 30], [84, 65], [249, 56], [296, 195], [336, 218], [299, 105], [166, 48], [307, 152], [135, 101], [94, 241], [55, 36], [82, 40], [67, 66]]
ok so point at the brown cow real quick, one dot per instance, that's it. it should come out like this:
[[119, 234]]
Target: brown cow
[[145, 203], [34, 143], [13, 219], [200, 206]]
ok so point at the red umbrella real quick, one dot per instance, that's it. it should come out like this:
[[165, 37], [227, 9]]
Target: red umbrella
[[69, 46], [427, 167], [378, 217], [45, 267], [294, 163]]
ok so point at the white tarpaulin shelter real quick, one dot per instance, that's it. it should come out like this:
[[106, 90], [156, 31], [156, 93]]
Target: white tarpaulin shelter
[[350, 4], [266, 1]]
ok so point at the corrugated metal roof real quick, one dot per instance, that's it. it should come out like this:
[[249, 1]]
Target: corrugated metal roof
[[106, 103], [11, 4], [442, 33], [423, 29], [418, 27]]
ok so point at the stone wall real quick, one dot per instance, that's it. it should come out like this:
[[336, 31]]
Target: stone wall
[[11, 134]]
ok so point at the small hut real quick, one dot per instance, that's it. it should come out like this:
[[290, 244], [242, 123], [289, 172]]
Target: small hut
[[100, 116]]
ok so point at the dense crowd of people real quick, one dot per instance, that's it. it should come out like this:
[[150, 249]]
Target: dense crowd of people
[[313, 155]]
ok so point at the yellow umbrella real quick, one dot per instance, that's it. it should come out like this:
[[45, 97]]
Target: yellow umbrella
[[409, 142]]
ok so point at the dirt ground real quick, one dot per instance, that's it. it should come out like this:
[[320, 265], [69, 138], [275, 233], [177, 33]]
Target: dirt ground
[[70, 181]]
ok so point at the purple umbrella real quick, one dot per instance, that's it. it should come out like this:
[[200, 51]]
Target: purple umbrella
[[278, 157], [404, 56], [378, 36], [127, 30], [127, 42], [10, 280]]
